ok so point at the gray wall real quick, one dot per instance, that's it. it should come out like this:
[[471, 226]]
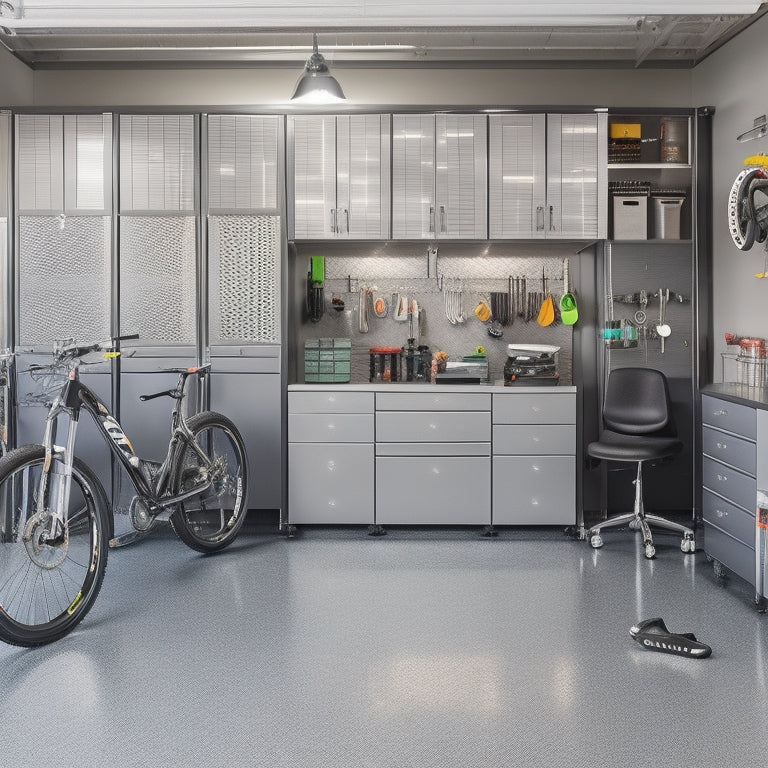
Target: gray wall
[[408, 87], [16, 82], [731, 81]]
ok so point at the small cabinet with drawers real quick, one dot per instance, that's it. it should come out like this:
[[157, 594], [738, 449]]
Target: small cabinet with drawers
[[534, 458], [330, 457], [729, 467], [433, 458]]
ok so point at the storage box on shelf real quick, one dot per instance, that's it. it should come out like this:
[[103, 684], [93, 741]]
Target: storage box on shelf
[[729, 465]]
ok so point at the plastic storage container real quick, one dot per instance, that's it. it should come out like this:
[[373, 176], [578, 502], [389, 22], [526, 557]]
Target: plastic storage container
[[630, 217], [666, 216]]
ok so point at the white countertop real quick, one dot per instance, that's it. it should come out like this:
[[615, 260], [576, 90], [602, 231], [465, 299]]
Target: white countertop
[[497, 388]]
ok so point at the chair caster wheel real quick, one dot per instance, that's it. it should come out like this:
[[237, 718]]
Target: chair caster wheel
[[650, 551], [688, 545], [596, 541]]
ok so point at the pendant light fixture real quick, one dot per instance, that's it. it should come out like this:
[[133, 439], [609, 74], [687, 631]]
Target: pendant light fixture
[[316, 84]]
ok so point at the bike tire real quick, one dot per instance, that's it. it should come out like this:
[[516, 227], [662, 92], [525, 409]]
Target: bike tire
[[211, 520], [46, 588]]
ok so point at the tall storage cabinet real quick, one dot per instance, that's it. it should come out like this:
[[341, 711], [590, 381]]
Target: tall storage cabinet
[[340, 176], [439, 176], [547, 176]]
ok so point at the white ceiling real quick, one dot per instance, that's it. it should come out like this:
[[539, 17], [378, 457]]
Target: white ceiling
[[172, 33]]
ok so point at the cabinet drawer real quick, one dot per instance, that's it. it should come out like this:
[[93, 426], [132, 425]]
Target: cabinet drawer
[[433, 401], [729, 449], [734, 555], [544, 408], [330, 428], [433, 426], [330, 483], [534, 490], [330, 402], [729, 518], [534, 439], [732, 417], [443, 490], [735, 486]]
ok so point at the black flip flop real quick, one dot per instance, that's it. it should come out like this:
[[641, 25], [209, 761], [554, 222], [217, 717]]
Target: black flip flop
[[653, 635]]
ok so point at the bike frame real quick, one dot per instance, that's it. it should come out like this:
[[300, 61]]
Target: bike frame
[[75, 397]]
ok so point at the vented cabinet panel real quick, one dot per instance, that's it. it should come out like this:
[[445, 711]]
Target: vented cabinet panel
[[244, 280], [64, 279], [413, 176], [362, 176], [5, 148], [461, 176], [40, 162], [158, 284], [157, 163], [314, 152], [573, 174], [517, 176], [88, 162], [243, 162]]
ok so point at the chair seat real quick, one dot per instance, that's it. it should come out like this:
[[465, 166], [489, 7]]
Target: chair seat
[[613, 446]]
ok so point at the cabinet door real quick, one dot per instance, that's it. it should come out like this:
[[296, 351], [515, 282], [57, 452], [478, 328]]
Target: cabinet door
[[330, 483], [517, 176], [461, 176], [314, 157], [576, 176], [363, 176], [413, 176]]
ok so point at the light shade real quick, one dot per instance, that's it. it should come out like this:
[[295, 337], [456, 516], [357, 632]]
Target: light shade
[[316, 84]]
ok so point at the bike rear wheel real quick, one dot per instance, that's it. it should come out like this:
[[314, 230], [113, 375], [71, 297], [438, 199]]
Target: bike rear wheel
[[48, 580], [211, 520]]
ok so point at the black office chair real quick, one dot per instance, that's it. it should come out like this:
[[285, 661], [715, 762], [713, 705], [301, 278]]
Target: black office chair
[[638, 428]]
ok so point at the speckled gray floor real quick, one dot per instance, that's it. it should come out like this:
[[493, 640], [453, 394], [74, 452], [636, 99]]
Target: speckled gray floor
[[421, 648]]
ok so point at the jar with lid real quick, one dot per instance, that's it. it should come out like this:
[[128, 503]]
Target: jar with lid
[[751, 362]]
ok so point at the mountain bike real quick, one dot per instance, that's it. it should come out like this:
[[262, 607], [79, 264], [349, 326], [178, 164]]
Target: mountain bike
[[55, 518]]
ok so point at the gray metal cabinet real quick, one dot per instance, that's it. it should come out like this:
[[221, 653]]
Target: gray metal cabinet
[[439, 176], [729, 465], [341, 179], [433, 458], [534, 458], [548, 176], [330, 457]]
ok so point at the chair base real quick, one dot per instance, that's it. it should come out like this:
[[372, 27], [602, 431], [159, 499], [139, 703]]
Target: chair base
[[641, 521]]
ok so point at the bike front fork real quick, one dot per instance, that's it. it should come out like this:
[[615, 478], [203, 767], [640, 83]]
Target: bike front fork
[[56, 478]]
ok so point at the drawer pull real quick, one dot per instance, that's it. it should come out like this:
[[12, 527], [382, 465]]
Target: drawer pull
[[536, 439], [535, 467], [721, 513], [331, 426], [722, 446], [331, 465], [331, 398], [331, 502], [535, 408], [433, 426], [722, 478], [721, 412]]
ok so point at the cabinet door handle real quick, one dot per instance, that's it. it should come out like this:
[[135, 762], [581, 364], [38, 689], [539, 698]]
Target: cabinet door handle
[[539, 218], [431, 218], [551, 218], [442, 218], [346, 217], [334, 228]]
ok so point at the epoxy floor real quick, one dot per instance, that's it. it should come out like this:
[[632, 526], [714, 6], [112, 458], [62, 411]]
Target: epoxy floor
[[422, 648]]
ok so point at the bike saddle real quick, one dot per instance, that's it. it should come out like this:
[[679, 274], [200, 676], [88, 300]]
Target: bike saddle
[[653, 635]]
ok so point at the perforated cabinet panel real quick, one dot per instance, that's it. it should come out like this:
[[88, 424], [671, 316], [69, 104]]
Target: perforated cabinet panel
[[244, 279], [243, 162], [157, 163], [158, 282], [64, 278]]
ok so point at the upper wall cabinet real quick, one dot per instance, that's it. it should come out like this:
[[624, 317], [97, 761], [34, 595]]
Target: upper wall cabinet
[[341, 181], [548, 176], [64, 164], [439, 176], [244, 163]]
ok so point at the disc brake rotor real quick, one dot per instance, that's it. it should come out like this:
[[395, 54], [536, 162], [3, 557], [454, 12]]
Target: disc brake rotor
[[44, 552]]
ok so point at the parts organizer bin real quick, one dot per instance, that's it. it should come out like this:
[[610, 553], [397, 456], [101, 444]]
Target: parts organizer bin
[[630, 209], [327, 361]]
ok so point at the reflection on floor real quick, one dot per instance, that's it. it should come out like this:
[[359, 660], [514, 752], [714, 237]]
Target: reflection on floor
[[425, 647]]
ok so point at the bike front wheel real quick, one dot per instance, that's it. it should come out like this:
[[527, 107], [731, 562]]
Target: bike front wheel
[[212, 519], [49, 576]]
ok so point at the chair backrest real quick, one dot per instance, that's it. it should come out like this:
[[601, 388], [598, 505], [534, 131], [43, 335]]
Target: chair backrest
[[637, 401]]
